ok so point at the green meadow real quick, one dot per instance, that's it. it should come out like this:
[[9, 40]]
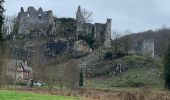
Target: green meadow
[[13, 95]]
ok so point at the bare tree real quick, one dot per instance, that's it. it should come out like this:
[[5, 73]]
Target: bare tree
[[38, 62], [127, 41], [116, 35], [71, 73], [8, 79], [50, 71], [9, 24], [42, 69], [87, 15], [54, 72], [4, 56]]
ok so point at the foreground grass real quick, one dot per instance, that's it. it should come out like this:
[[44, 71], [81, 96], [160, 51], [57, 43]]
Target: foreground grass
[[13, 95]]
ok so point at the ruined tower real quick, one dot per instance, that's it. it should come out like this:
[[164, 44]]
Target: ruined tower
[[80, 23], [107, 34], [100, 31]]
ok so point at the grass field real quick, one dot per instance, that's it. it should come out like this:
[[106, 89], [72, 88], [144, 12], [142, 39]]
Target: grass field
[[13, 95]]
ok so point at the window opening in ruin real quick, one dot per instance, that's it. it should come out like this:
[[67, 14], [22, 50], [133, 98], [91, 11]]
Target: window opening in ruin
[[40, 16]]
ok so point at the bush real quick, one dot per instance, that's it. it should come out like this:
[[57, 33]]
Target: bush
[[90, 40], [81, 79], [108, 55], [121, 54]]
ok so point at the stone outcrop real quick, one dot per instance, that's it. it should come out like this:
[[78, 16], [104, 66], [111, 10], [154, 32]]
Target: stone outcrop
[[82, 46], [145, 48]]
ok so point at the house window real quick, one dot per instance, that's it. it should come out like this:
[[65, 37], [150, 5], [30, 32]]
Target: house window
[[27, 74]]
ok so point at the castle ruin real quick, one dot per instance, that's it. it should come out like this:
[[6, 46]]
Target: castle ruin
[[43, 23], [35, 20]]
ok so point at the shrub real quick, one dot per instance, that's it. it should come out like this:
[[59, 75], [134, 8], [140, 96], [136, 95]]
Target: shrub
[[108, 55], [81, 79], [90, 40]]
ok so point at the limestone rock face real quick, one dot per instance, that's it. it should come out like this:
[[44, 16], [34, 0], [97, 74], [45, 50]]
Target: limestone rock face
[[82, 46], [145, 48], [55, 47], [148, 48]]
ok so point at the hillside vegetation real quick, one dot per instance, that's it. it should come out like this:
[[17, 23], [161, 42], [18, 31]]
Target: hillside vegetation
[[140, 72], [160, 37]]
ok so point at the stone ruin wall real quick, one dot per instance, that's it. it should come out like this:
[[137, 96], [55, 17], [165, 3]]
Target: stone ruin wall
[[35, 20], [101, 32], [107, 34], [39, 22]]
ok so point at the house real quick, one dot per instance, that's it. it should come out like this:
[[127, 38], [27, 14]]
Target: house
[[18, 70]]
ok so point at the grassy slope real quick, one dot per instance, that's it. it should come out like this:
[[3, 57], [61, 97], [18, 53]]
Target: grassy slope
[[146, 75], [12, 95]]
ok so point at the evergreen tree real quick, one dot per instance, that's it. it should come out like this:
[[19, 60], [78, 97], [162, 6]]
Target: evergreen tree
[[81, 79], [1, 41], [90, 40], [167, 69], [1, 19]]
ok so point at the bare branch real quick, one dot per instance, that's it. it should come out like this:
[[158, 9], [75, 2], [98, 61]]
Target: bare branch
[[87, 15]]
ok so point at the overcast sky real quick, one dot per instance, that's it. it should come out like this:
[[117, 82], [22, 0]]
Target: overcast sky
[[136, 15]]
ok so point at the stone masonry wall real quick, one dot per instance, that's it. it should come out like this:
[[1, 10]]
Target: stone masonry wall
[[35, 20], [43, 23]]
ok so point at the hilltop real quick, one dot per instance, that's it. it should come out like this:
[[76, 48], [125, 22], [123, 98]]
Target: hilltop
[[160, 39]]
